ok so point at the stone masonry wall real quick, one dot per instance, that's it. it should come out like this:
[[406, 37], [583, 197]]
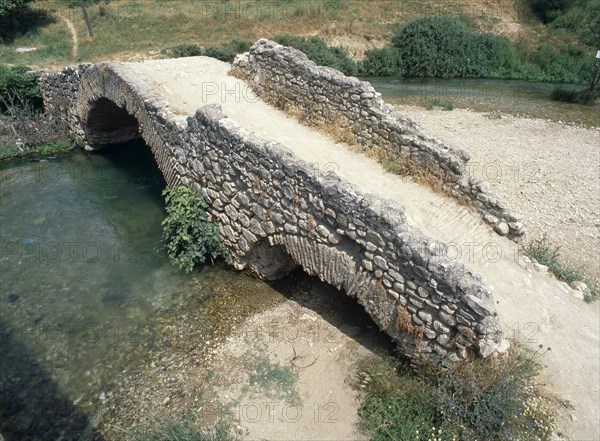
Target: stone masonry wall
[[285, 76], [275, 212]]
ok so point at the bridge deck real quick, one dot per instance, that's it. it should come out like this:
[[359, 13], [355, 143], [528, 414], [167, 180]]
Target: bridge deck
[[532, 303]]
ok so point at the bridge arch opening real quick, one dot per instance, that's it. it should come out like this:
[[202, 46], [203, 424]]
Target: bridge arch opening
[[107, 123]]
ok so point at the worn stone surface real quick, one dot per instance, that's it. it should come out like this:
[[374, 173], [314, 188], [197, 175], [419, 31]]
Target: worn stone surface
[[275, 214], [285, 76]]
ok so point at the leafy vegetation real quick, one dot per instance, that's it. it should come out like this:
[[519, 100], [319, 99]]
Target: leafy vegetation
[[219, 54], [443, 46], [9, 6], [476, 400], [47, 148], [184, 50], [188, 235], [384, 62], [18, 89], [580, 18], [318, 51]]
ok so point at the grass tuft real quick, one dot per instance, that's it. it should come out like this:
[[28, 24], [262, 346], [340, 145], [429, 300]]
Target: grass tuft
[[186, 431], [549, 255], [277, 382], [444, 105]]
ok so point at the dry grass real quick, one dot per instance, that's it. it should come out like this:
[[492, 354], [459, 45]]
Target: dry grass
[[405, 324], [308, 115], [125, 29]]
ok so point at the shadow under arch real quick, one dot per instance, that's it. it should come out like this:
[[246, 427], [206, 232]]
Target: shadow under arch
[[107, 123], [337, 266]]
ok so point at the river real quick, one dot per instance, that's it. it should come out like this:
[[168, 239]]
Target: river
[[519, 98], [88, 297]]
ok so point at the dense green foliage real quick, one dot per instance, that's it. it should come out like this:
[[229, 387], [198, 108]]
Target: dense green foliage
[[478, 400], [229, 50], [384, 62], [581, 19], [444, 47], [318, 51], [184, 50], [18, 88], [219, 53], [188, 235], [8, 6], [549, 10]]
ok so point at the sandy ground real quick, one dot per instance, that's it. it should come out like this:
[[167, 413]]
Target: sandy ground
[[548, 172], [533, 305], [319, 352]]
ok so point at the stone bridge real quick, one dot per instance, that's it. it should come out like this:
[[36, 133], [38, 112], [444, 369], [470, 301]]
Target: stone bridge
[[261, 139]]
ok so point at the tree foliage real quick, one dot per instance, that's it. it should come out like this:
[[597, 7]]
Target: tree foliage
[[19, 88], [8, 6]]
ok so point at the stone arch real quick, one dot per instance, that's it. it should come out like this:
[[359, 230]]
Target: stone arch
[[113, 106], [337, 265]]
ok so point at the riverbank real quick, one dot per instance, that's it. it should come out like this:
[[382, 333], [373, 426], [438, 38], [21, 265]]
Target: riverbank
[[547, 171], [32, 135]]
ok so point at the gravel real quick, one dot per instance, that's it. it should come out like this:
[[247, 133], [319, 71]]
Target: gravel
[[548, 172]]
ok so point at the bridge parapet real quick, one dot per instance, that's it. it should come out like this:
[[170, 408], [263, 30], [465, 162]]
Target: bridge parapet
[[285, 77], [276, 212]]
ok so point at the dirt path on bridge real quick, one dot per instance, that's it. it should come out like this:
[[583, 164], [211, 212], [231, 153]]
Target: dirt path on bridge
[[532, 305]]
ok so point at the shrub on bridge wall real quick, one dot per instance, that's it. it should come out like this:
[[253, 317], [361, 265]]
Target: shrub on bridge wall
[[188, 235]]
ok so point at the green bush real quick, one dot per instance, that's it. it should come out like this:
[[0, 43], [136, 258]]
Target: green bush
[[383, 62], [586, 97], [185, 50], [549, 10], [219, 54], [229, 50], [443, 47], [188, 235], [9, 6], [475, 400], [318, 51], [19, 89], [238, 45], [583, 20]]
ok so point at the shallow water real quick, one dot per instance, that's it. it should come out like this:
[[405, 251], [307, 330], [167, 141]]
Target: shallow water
[[504, 96], [83, 278]]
